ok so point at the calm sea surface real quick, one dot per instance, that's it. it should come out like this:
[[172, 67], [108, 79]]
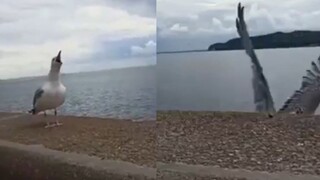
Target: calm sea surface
[[221, 81], [124, 93]]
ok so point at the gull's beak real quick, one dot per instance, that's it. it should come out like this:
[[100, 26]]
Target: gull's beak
[[58, 58]]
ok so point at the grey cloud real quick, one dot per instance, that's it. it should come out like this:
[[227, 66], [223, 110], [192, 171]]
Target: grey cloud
[[119, 50], [217, 24], [139, 7], [180, 42], [92, 34]]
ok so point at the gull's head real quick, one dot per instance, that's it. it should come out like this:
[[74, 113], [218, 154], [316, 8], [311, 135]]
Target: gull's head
[[56, 61]]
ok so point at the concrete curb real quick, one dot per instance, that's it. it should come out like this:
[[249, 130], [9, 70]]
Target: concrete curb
[[216, 172], [38, 162], [12, 117]]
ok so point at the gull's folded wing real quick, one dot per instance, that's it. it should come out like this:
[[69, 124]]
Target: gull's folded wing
[[307, 97], [262, 96], [37, 94]]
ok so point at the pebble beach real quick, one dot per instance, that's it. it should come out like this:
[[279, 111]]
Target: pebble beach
[[236, 140]]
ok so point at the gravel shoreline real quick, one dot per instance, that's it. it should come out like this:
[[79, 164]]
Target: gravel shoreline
[[177, 176], [240, 140], [229, 140], [105, 138]]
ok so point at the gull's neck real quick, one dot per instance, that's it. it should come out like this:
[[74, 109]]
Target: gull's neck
[[54, 74]]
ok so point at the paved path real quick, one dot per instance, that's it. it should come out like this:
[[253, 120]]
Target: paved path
[[36, 160], [7, 116]]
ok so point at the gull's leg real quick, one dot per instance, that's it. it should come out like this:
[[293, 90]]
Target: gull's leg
[[299, 111], [270, 115], [48, 123], [57, 122]]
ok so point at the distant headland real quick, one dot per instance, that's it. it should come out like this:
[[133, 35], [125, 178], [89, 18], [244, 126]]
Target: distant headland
[[273, 40]]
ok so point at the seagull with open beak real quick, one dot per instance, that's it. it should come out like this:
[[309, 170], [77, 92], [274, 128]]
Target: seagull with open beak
[[52, 94]]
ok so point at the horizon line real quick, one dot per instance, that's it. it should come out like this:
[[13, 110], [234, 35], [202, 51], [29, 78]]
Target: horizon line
[[37, 76]]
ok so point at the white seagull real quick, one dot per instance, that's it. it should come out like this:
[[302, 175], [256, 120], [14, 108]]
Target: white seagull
[[305, 100], [52, 94]]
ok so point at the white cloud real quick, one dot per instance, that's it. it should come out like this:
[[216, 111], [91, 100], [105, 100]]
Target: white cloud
[[32, 32], [219, 27], [178, 28], [148, 49]]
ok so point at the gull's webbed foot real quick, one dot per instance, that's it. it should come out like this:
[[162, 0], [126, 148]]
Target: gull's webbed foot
[[59, 123], [49, 125]]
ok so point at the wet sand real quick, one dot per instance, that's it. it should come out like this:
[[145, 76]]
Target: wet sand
[[251, 141], [105, 138]]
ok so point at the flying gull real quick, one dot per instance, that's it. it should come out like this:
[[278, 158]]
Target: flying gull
[[52, 94], [304, 100]]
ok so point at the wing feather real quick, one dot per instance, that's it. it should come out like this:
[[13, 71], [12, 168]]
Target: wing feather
[[262, 96], [308, 96]]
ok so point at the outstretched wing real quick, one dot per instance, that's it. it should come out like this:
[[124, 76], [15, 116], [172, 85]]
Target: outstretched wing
[[307, 97], [262, 96]]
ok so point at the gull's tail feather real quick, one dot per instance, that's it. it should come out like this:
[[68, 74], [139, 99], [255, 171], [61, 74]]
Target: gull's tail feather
[[32, 111], [262, 96], [307, 97]]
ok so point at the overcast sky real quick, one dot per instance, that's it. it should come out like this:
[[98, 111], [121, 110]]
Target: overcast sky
[[195, 24], [92, 34]]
